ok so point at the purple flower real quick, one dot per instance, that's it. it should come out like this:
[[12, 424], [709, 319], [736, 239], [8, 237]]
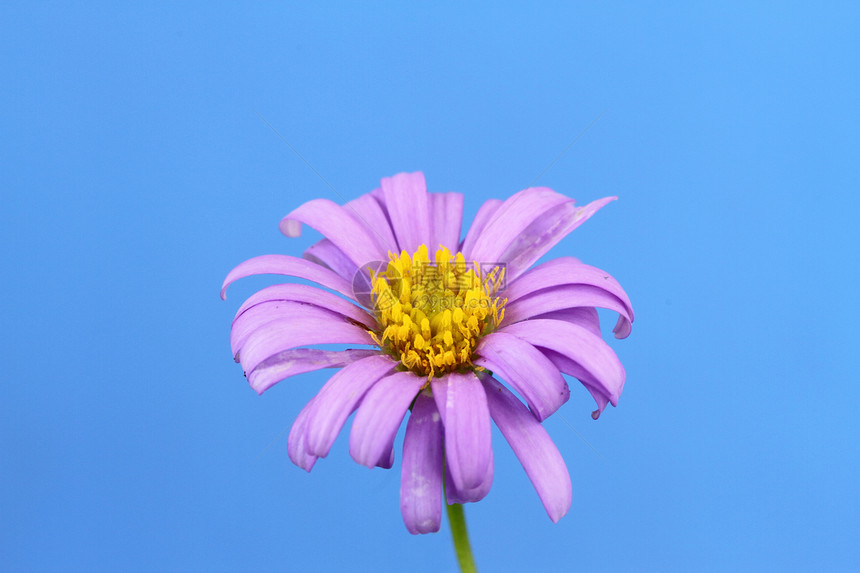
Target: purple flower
[[440, 319]]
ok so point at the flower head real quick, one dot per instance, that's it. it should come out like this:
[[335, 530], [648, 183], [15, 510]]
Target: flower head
[[432, 315], [440, 320]]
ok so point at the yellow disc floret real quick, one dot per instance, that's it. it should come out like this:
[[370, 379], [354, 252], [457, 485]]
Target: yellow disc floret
[[432, 314]]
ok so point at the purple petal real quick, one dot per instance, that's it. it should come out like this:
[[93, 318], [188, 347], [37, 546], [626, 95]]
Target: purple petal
[[561, 297], [526, 370], [296, 442], [623, 327], [533, 447], [455, 495], [599, 397], [409, 209], [339, 226], [482, 217], [257, 318], [571, 368], [338, 398], [298, 361], [447, 218], [584, 316], [588, 319], [386, 460], [289, 266], [545, 232], [305, 325], [467, 427], [325, 253], [369, 210], [309, 295], [380, 414], [421, 469], [561, 271], [578, 344], [569, 271], [512, 218]]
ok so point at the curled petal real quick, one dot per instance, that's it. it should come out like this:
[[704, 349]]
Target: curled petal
[[545, 232], [578, 344], [380, 414], [298, 361], [468, 448], [584, 316], [296, 442], [408, 208], [308, 295], [421, 469], [533, 447], [261, 317], [571, 368], [256, 338], [339, 398], [369, 210], [455, 495], [325, 253], [289, 266], [526, 369], [511, 219], [559, 298], [569, 271], [338, 225], [386, 460]]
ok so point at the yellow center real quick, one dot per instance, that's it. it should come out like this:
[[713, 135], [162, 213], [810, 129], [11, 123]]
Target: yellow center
[[432, 315]]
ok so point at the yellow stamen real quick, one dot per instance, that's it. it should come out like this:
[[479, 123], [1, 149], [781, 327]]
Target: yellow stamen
[[432, 314]]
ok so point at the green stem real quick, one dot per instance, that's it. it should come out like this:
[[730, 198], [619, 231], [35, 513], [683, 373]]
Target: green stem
[[461, 538]]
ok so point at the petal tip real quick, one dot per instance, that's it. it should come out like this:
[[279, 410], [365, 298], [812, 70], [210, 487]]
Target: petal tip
[[290, 227], [556, 517], [308, 466], [429, 526], [622, 328]]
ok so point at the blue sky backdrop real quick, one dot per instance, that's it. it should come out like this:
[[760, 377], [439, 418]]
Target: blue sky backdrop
[[138, 169]]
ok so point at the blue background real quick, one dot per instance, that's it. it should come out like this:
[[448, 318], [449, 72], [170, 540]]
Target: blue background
[[136, 173]]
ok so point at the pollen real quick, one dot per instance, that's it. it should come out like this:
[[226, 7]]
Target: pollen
[[431, 314]]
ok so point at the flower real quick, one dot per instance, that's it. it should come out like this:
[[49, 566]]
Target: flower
[[441, 319]]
